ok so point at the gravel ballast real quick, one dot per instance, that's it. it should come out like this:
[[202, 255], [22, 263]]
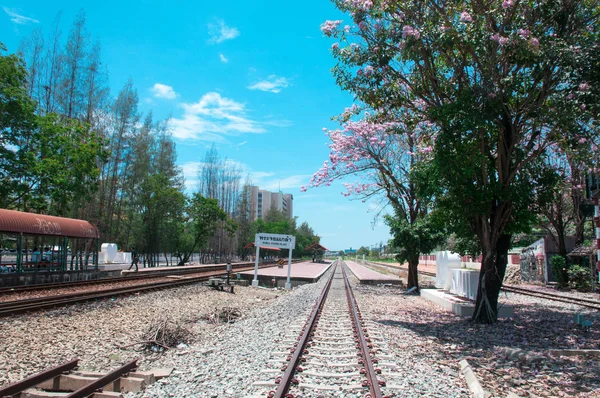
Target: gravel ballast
[[223, 360]]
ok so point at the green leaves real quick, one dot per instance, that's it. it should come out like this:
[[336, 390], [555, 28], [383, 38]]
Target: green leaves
[[47, 163]]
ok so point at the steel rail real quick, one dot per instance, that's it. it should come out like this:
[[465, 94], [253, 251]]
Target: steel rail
[[33, 380], [174, 271], [19, 306], [553, 297], [363, 341], [288, 379], [113, 376]]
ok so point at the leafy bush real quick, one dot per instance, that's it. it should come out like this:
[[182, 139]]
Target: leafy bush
[[580, 277], [559, 269]]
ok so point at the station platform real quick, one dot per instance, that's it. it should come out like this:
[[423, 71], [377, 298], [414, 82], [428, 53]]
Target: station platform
[[301, 273], [367, 276]]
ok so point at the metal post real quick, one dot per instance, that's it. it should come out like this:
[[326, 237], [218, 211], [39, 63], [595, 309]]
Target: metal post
[[288, 283], [229, 269], [97, 254], [19, 254], [597, 225], [63, 259], [255, 280]]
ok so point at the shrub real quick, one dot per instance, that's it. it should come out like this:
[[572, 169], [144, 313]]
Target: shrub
[[580, 277], [559, 269]]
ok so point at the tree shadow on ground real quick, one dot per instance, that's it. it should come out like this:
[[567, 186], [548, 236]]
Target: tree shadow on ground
[[535, 327]]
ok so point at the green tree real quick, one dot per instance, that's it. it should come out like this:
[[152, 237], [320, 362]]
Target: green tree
[[362, 251], [205, 215], [17, 123]]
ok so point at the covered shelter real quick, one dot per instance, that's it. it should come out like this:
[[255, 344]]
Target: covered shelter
[[317, 250], [42, 242]]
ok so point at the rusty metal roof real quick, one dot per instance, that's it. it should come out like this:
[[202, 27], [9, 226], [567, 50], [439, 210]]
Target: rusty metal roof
[[316, 246], [39, 224]]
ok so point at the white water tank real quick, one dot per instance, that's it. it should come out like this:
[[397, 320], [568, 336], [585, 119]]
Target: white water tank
[[445, 262], [110, 252]]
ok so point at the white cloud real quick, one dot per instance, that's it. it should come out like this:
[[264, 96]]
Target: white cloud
[[219, 32], [163, 91], [17, 18], [295, 181], [272, 84], [223, 58], [212, 117], [264, 179], [242, 143]]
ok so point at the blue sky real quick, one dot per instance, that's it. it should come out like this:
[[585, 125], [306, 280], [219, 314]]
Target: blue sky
[[252, 77]]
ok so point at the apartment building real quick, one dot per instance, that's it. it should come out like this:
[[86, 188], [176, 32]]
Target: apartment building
[[261, 201]]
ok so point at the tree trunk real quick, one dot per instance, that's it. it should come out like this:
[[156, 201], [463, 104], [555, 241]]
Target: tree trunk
[[413, 275], [491, 275]]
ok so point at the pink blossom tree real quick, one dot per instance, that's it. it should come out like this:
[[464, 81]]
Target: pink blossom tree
[[382, 159], [504, 82]]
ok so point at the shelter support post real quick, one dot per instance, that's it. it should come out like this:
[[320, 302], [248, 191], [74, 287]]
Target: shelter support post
[[63, 257], [97, 254], [20, 253]]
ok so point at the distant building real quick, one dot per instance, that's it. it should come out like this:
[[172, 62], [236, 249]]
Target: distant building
[[350, 251], [261, 202]]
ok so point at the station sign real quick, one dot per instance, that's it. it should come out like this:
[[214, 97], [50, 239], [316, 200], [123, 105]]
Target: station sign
[[275, 240]]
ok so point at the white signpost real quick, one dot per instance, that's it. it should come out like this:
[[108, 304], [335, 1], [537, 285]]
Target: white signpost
[[274, 240]]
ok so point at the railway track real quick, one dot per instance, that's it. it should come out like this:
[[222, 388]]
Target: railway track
[[336, 352], [66, 382], [15, 307], [554, 297], [170, 272]]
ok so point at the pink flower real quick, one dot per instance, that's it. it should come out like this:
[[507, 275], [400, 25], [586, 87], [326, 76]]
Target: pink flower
[[582, 140], [495, 37], [362, 25], [329, 27], [524, 33], [335, 46], [583, 107], [368, 70], [507, 4], [584, 87], [303, 189], [410, 31], [347, 28], [465, 17], [443, 28], [503, 40], [427, 149], [534, 42], [570, 96]]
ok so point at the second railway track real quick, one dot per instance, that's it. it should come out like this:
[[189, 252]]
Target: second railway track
[[8, 308]]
